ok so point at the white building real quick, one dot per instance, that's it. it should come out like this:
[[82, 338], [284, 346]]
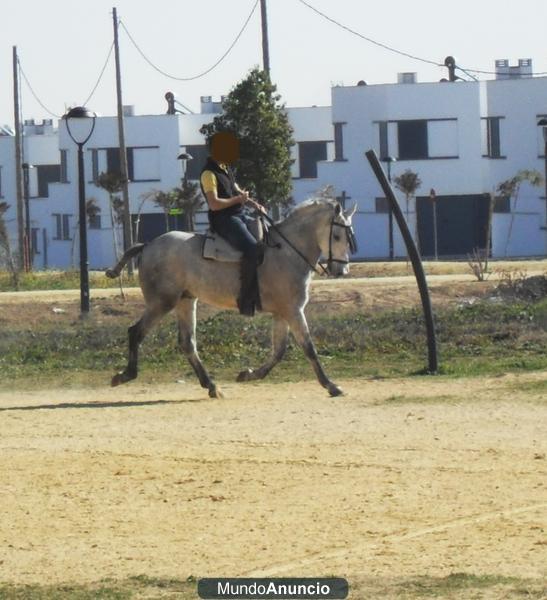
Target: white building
[[461, 138]]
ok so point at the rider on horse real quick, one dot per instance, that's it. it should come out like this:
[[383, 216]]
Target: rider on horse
[[227, 216]]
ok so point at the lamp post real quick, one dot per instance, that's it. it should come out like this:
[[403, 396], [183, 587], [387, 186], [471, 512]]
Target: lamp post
[[433, 198], [29, 250], [81, 121], [543, 124], [184, 158], [389, 160]]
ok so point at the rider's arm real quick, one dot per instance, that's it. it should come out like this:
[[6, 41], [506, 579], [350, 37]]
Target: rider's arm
[[208, 181]]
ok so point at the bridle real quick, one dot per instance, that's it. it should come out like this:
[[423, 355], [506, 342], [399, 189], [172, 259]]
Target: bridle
[[350, 236]]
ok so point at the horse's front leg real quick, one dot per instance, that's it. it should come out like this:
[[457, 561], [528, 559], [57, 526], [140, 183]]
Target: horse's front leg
[[186, 315], [280, 339], [301, 332]]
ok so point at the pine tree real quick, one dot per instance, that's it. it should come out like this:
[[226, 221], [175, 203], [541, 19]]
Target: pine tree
[[252, 110]]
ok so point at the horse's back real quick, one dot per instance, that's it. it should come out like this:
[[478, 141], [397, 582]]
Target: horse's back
[[165, 262]]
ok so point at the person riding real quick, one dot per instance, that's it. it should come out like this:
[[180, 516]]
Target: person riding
[[227, 215]]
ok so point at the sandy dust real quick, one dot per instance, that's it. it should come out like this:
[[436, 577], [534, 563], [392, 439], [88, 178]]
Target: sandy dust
[[421, 476]]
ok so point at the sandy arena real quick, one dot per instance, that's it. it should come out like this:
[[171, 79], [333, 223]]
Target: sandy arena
[[421, 476]]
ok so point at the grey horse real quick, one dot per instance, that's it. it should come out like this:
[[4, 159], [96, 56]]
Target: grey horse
[[174, 275]]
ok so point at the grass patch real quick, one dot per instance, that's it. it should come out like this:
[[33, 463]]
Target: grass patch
[[461, 586], [483, 339], [133, 587], [466, 585], [59, 280]]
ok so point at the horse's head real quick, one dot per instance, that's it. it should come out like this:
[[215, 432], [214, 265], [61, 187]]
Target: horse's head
[[339, 242]]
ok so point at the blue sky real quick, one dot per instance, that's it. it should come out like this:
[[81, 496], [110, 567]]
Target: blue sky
[[63, 45]]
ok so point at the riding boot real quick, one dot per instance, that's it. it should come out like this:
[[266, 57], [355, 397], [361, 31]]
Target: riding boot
[[249, 299]]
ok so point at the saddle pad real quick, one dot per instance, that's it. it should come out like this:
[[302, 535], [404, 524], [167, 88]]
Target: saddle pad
[[217, 248]]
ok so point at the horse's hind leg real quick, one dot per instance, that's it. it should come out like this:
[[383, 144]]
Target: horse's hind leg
[[186, 315], [136, 334], [280, 339], [299, 327]]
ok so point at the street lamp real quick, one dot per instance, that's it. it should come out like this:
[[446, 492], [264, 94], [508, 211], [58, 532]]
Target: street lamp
[[29, 250], [543, 124], [184, 158], [80, 123], [389, 160], [189, 215]]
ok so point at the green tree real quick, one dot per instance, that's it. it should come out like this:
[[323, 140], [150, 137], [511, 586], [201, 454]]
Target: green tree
[[252, 110]]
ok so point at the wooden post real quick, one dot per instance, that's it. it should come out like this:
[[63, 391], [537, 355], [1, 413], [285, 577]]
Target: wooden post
[[414, 258], [265, 43], [127, 241], [20, 203]]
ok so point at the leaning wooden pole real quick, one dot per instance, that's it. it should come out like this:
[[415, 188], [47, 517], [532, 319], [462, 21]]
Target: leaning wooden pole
[[127, 237], [414, 258], [19, 194]]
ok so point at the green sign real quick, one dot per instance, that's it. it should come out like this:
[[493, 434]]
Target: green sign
[[175, 211]]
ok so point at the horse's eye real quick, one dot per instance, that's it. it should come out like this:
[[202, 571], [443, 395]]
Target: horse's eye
[[336, 237]]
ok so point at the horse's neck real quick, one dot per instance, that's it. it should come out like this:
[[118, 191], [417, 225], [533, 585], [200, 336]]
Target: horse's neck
[[302, 230]]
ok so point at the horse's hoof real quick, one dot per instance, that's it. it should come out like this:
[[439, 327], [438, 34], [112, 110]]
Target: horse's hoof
[[246, 375], [334, 390], [214, 392]]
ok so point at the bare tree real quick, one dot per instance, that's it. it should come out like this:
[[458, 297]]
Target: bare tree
[[510, 188], [113, 184], [409, 183], [189, 199], [6, 248]]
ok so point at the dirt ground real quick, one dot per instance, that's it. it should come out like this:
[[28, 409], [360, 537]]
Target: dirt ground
[[398, 478], [407, 477]]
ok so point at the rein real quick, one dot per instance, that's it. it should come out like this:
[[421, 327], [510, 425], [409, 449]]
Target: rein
[[293, 247], [349, 233]]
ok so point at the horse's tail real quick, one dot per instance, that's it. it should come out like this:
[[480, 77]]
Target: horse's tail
[[127, 256]]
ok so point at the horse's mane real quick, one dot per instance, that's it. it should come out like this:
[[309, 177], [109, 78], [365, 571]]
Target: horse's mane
[[309, 206]]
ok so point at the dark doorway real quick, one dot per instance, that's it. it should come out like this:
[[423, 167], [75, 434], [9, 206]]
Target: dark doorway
[[461, 224], [151, 225]]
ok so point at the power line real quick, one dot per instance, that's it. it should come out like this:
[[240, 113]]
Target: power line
[[370, 40], [100, 75], [199, 75], [34, 93], [466, 70]]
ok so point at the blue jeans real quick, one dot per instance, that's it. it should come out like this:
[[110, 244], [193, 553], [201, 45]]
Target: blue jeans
[[233, 228]]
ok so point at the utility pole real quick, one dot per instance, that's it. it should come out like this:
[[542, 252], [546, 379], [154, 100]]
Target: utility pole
[[265, 44], [127, 238], [18, 165]]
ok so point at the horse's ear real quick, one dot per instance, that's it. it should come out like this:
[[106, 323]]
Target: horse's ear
[[351, 212], [337, 209]]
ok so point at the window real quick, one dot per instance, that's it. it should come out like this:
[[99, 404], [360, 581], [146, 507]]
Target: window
[[62, 227], [310, 153], [339, 141], [94, 221], [502, 204], [113, 161], [412, 138], [34, 240], [381, 205], [418, 139], [47, 174], [143, 164], [491, 139], [64, 166], [199, 156]]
